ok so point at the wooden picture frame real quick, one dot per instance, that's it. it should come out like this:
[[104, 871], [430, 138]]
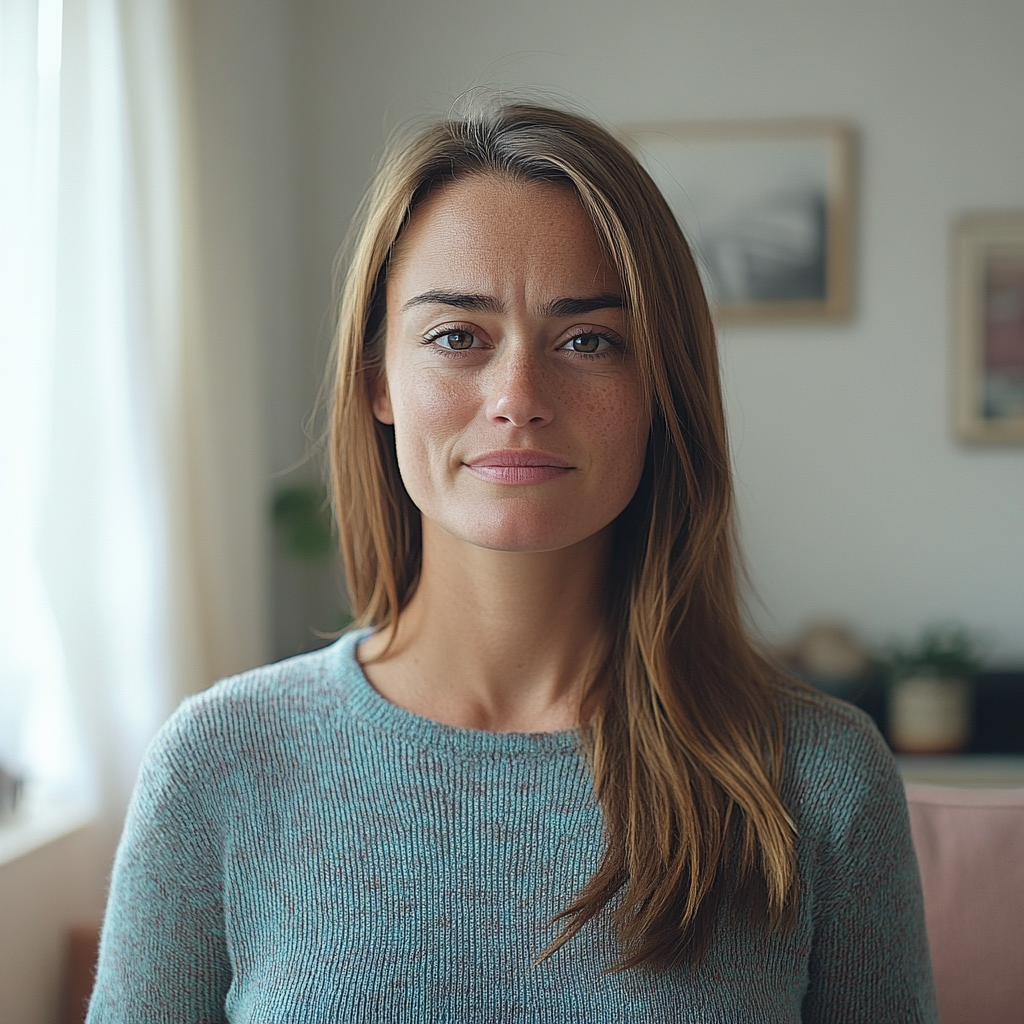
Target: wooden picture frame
[[768, 208], [988, 317]]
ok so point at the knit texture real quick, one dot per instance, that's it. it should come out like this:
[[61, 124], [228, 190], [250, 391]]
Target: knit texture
[[300, 850]]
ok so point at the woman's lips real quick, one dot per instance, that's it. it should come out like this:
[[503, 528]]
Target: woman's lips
[[517, 466]]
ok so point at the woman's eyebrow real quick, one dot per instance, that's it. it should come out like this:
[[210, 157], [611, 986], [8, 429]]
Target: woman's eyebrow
[[460, 300], [489, 304], [577, 307]]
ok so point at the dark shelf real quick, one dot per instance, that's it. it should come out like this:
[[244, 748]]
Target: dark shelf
[[998, 709], [998, 713]]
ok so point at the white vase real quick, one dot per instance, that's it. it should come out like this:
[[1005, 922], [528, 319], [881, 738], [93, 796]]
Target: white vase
[[929, 715]]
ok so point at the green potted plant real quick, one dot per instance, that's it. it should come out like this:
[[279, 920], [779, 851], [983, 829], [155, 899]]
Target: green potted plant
[[929, 690], [305, 535], [303, 516]]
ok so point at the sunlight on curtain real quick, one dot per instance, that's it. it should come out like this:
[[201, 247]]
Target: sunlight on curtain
[[33, 678], [89, 399]]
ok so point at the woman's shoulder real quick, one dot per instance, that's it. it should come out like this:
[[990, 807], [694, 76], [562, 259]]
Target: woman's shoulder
[[836, 762], [302, 684], [812, 717], [272, 706]]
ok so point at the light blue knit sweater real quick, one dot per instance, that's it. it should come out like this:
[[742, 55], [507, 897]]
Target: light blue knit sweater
[[300, 850]]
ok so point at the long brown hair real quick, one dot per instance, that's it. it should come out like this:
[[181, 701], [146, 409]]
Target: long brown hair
[[685, 739]]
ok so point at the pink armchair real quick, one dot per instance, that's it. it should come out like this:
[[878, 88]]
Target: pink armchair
[[970, 847]]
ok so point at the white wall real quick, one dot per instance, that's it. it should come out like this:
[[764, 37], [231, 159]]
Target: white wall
[[855, 500]]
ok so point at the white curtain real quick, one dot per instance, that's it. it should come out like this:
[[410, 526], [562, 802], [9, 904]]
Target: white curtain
[[100, 608]]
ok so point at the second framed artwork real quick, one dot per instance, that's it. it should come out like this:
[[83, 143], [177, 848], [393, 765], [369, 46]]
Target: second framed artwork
[[989, 323], [768, 208]]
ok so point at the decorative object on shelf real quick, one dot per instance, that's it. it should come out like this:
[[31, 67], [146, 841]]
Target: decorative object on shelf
[[768, 208], [11, 788], [929, 697], [989, 319], [828, 656]]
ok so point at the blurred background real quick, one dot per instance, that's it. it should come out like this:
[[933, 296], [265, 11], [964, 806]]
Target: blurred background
[[192, 169]]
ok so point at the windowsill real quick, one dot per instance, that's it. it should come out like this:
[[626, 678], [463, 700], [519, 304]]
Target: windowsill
[[42, 817]]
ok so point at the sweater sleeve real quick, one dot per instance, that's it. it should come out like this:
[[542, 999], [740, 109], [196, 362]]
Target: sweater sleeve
[[163, 956], [869, 960]]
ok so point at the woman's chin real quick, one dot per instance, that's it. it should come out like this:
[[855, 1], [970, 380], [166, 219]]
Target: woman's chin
[[518, 534], [523, 545]]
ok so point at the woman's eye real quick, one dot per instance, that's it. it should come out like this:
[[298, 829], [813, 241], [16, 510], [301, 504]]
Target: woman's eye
[[454, 340], [588, 343]]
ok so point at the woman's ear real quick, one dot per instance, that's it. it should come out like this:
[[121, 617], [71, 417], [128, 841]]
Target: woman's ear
[[380, 399]]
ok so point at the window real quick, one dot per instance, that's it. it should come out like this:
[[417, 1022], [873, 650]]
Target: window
[[88, 345]]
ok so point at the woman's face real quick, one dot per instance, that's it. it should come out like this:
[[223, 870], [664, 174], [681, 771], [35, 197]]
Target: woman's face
[[508, 377]]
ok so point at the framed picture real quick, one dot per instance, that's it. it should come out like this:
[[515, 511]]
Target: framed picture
[[767, 207], [989, 324]]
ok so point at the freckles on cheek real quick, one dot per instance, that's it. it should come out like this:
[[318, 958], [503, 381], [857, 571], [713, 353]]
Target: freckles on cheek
[[428, 420], [612, 416], [617, 425], [428, 403], [438, 398]]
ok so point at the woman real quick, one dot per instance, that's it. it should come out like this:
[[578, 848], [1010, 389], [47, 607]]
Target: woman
[[549, 778]]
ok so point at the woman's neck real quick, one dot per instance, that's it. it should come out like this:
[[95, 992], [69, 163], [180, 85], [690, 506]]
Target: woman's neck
[[496, 640]]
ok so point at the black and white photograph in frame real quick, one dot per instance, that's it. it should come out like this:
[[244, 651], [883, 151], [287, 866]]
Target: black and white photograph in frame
[[767, 207]]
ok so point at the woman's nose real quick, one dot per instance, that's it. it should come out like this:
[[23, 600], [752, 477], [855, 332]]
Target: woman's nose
[[519, 392]]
